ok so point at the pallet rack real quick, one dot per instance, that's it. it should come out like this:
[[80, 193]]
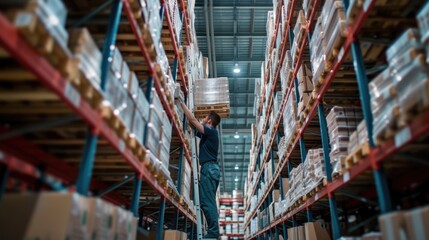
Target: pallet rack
[[229, 211], [325, 199], [30, 160]]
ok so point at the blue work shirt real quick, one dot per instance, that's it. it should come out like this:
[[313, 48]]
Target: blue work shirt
[[209, 144]]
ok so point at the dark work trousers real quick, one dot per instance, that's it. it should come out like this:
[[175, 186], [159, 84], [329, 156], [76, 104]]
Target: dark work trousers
[[209, 182]]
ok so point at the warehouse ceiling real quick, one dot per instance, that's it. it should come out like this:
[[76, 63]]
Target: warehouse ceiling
[[229, 33]]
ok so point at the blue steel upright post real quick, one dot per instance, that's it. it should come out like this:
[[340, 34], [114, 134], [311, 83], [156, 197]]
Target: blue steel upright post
[[328, 170], [90, 148], [362, 80], [159, 234]]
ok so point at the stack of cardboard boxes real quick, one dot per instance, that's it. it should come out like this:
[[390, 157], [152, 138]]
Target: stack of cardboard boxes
[[63, 215], [305, 88], [314, 169], [299, 35], [358, 138], [286, 72], [405, 224], [342, 121]]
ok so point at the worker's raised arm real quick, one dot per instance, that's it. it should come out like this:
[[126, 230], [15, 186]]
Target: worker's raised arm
[[191, 118]]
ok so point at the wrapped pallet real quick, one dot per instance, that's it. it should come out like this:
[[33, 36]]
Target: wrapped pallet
[[211, 94]]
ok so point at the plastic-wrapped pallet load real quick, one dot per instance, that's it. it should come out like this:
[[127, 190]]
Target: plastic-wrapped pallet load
[[186, 182], [402, 87], [86, 51], [334, 25], [286, 72], [318, 47], [299, 33], [314, 169], [281, 147], [290, 118], [342, 121], [423, 22], [212, 92]]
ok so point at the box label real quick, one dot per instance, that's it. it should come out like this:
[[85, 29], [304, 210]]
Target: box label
[[346, 177], [402, 137]]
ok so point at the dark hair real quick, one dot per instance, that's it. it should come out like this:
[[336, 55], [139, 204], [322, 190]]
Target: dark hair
[[215, 118]]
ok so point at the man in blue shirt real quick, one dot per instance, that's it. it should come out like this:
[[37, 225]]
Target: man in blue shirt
[[210, 171]]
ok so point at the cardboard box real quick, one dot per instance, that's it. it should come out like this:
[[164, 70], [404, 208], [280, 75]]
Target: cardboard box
[[102, 218], [313, 231], [285, 185], [417, 222], [174, 235], [126, 227], [276, 195], [392, 226], [34, 216], [301, 233]]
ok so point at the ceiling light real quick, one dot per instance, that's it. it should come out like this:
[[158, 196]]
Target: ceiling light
[[236, 167], [236, 136], [236, 68], [236, 179]]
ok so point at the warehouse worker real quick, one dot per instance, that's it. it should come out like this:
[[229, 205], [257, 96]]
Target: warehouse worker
[[210, 171]]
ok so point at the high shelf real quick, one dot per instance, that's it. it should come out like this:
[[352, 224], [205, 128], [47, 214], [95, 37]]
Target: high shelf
[[367, 183], [56, 127]]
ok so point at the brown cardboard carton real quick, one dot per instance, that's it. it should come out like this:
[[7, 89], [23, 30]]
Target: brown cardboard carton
[[301, 233], [392, 226], [34, 216], [313, 231], [174, 235], [417, 222], [102, 218], [276, 195], [285, 185], [126, 225]]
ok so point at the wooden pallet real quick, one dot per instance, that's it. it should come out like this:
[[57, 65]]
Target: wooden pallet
[[203, 111], [419, 103], [390, 129], [38, 36], [357, 155], [317, 188]]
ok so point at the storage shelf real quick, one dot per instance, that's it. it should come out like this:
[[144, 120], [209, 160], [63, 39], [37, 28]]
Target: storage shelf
[[168, 109], [19, 49], [377, 155], [417, 129], [175, 44]]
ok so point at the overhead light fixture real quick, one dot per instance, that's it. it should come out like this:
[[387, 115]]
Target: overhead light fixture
[[236, 136], [236, 179], [236, 167], [236, 68]]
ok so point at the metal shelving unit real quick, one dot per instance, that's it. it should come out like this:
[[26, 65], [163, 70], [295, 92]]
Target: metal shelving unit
[[326, 198], [22, 158]]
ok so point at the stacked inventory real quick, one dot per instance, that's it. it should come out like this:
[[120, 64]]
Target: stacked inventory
[[115, 122], [343, 52], [342, 122], [402, 87], [74, 217]]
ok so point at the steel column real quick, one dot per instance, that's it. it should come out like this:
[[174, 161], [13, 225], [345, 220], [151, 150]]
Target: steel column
[[4, 175], [328, 169], [160, 229], [380, 180], [136, 194], [87, 163]]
